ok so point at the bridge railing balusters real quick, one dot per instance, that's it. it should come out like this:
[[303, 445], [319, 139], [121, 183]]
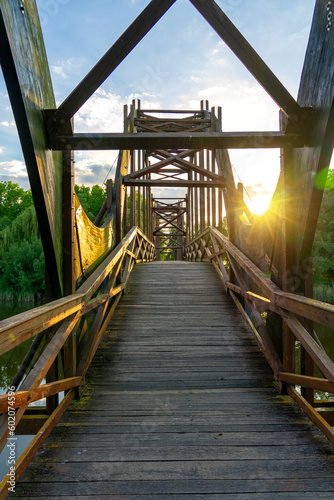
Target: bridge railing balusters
[[255, 294], [101, 293]]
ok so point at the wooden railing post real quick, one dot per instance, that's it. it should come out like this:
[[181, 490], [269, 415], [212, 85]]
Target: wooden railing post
[[69, 349], [118, 211]]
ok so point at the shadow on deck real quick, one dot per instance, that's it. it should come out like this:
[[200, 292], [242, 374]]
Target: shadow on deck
[[180, 404]]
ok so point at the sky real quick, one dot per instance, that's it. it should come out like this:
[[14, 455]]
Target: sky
[[181, 61]]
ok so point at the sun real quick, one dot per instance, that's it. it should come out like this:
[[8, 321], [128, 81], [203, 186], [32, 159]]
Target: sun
[[259, 204]]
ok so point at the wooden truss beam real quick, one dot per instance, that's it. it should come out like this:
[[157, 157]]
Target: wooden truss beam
[[169, 159], [247, 55], [179, 140], [176, 160], [109, 62], [170, 183]]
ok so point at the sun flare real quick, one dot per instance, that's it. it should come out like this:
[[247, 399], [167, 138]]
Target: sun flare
[[259, 204]]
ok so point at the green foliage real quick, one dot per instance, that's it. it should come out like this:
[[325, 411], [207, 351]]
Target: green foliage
[[21, 253], [91, 199], [323, 248], [22, 268], [13, 200], [330, 180], [23, 228]]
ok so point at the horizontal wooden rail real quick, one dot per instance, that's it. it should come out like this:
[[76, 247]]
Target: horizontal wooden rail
[[23, 398], [66, 327], [178, 140], [19, 328], [214, 247]]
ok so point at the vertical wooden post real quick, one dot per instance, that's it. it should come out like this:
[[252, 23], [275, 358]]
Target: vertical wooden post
[[125, 224], [132, 192], [132, 117], [214, 193], [109, 195], [208, 191], [190, 209], [187, 218], [125, 115], [213, 170], [220, 210], [307, 364], [68, 224], [118, 211], [196, 204], [138, 191], [179, 239], [144, 208], [69, 350], [151, 215]]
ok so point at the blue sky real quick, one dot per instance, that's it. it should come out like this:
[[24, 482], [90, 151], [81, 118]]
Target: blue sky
[[180, 62]]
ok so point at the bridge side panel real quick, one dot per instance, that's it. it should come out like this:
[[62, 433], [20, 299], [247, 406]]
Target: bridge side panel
[[26, 71], [305, 170]]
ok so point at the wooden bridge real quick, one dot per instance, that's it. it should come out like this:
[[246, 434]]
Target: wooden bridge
[[171, 378]]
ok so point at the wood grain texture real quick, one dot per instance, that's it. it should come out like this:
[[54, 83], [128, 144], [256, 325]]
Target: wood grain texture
[[180, 404]]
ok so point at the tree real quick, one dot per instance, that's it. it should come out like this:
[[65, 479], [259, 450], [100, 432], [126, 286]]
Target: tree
[[91, 199], [323, 248], [22, 269], [13, 200]]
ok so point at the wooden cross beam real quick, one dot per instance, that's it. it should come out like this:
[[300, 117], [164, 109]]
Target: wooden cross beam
[[178, 184], [168, 160], [179, 140]]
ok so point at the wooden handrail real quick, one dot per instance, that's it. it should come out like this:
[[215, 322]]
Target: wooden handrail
[[210, 245], [312, 309], [101, 292], [19, 328]]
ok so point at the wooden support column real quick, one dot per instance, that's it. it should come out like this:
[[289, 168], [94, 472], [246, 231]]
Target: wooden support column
[[68, 224], [69, 349], [220, 210], [138, 191], [208, 191], [179, 239], [132, 192], [202, 195], [109, 194], [306, 362], [214, 192], [118, 211], [52, 375], [196, 206], [144, 208]]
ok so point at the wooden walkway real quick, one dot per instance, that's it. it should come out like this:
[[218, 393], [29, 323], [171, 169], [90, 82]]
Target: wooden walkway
[[179, 405]]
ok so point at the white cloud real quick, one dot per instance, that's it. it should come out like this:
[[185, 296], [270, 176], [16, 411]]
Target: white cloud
[[66, 68], [16, 168], [5, 124], [195, 79], [1, 149], [59, 70], [103, 112], [94, 167]]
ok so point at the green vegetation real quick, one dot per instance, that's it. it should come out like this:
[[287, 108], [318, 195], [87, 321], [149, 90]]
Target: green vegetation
[[21, 252], [323, 248], [22, 258], [91, 199]]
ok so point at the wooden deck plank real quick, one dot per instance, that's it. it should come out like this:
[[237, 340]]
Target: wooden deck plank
[[180, 404]]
